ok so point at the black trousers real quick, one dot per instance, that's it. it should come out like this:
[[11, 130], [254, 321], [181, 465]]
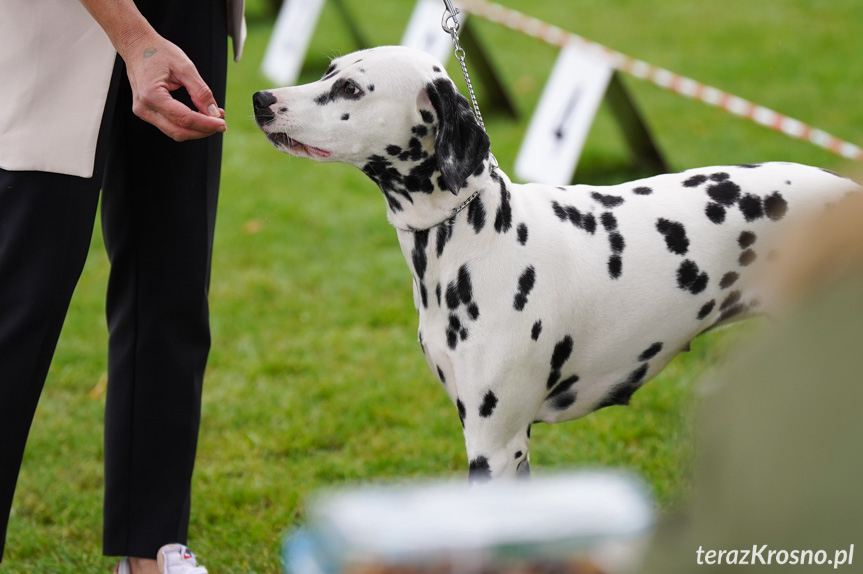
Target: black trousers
[[158, 216]]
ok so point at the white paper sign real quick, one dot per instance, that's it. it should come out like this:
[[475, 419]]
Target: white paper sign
[[557, 131], [424, 30], [292, 33]]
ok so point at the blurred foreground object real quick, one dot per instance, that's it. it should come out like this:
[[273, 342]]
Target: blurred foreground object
[[819, 254], [779, 459], [583, 523]]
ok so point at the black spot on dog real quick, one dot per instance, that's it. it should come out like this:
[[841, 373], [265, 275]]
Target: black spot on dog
[[371, 87], [455, 331], [418, 255], [719, 176], [609, 222], [675, 236], [749, 165], [715, 213], [562, 213], [650, 352], [503, 219], [751, 207], [706, 310], [775, 206], [440, 376], [564, 386], [394, 150], [420, 130], [388, 179], [525, 286], [489, 402], [571, 213], [444, 234], [452, 332], [746, 239], [462, 412], [346, 117], [427, 116], [747, 257], [621, 393], [452, 301], [464, 285], [562, 352], [536, 330], [522, 233], [415, 151], [724, 193], [473, 311], [479, 470], [728, 280], [331, 71], [607, 200], [642, 191], [437, 291], [562, 402], [617, 243], [419, 179], [732, 299], [615, 266], [690, 278], [561, 398], [695, 181], [436, 69], [476, 214], [731, 311]]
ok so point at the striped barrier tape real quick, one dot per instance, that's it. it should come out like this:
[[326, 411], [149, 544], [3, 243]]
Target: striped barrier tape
[[682, 85]]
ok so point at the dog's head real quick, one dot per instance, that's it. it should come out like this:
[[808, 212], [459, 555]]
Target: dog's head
[[391, 111]]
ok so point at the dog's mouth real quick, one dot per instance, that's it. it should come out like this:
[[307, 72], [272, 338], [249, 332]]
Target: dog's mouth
[[292, 146]]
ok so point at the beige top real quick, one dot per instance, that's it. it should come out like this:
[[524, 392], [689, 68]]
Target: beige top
[[51, 101]]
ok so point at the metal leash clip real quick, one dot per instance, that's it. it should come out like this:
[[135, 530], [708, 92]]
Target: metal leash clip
[[450, 13]]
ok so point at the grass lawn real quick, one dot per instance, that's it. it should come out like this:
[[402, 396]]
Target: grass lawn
[[316, 378]]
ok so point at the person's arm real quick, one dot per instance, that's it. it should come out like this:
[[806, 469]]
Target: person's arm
[[157, 67]]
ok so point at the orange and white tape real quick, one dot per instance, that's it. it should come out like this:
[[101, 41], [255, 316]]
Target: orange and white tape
[[663, 78]]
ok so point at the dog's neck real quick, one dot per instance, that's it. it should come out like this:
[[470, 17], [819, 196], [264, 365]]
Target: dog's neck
[[415, 195]]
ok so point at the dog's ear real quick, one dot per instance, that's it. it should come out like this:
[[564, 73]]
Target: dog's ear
[[461, 144]]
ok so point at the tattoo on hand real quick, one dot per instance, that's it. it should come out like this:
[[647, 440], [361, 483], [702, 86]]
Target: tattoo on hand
[[149, 52]]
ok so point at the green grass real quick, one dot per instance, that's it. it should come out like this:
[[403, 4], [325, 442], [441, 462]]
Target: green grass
[[316, 378]]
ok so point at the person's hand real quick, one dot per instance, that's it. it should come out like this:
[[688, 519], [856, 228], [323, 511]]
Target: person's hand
[[157, 67]]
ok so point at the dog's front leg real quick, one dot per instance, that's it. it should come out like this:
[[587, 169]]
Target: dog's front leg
[[497, 437]]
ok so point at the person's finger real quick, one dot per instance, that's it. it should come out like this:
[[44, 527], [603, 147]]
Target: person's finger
[[199, 91], [177, 120]]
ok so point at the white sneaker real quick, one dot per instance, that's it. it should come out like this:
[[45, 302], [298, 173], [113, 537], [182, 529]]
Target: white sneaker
[[177, 559], [171, 559]]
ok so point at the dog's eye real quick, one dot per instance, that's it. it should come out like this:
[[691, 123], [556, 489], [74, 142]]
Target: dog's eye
[[350, 89]]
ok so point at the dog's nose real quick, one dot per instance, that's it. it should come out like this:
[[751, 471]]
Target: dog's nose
[[262, 102]]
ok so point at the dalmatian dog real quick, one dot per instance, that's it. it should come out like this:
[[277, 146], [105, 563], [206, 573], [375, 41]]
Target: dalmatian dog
[[538, 303]]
